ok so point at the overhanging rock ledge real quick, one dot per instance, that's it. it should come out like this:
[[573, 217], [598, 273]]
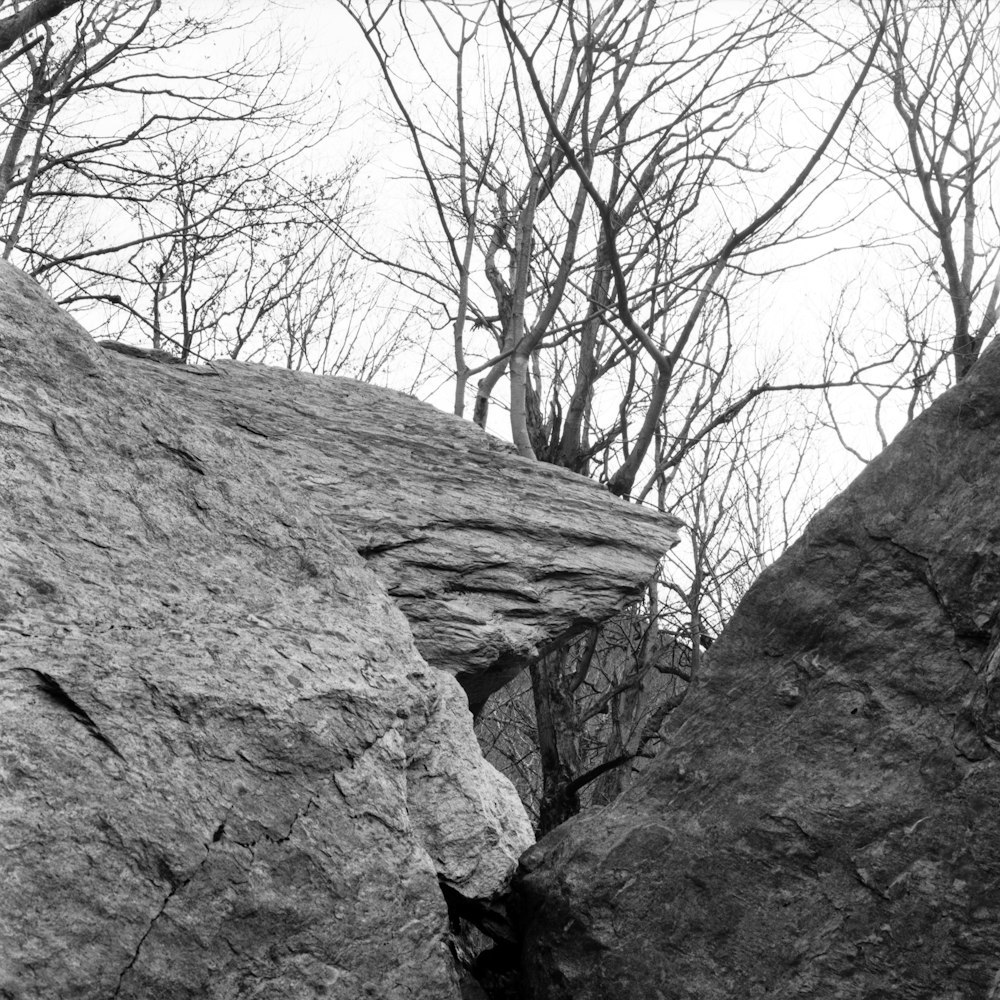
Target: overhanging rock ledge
[[492, 558]]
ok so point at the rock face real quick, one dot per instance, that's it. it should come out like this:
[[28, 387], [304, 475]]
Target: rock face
[[493, 558], [225, 768], [823, 822]]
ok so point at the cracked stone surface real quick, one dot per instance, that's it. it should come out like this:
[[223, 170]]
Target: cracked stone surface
[[493, 558], [824, 821], [225, 769]]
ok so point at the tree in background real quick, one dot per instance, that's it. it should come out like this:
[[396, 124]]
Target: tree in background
[[595, 178], [579, 216], [929, 133], [236, 260], [181, 200], [744, 494], [68, 112], [941, 63]]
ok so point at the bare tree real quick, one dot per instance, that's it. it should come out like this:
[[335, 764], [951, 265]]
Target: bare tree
[[91, 108], [928, 132], [583, 196], [174, 203], [939, 74], [52, 74], [579, 206], [233, 259]]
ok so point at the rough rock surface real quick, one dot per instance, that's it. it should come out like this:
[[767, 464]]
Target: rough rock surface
[[824, 822], [225, 769], [493, 558]]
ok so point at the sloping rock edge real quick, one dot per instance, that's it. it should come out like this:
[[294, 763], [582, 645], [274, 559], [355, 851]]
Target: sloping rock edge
[[823, 821]]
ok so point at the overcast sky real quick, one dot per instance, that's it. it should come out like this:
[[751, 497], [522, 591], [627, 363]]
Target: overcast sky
[[791, 313]]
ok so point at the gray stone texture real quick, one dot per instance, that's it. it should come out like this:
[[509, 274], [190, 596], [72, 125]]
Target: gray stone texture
[[492, 557], [824, 820], [225, 768]]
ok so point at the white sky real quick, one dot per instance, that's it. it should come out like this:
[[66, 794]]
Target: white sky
[[788, 316], [791, 312]]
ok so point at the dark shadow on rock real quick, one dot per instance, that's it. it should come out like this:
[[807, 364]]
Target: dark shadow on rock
[[823, 820]]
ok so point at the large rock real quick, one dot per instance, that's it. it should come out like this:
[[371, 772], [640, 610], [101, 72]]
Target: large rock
[[225, 768], [824, 821], [493, 558]]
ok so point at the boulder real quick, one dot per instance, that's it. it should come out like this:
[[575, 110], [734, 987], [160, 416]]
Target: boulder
[[225, 768], [493, 558], [823, 821]]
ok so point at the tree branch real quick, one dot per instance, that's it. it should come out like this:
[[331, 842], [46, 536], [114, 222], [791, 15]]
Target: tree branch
[[16, 26]]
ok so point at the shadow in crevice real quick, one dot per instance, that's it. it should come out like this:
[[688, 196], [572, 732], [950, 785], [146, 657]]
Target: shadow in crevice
[[484, 946]]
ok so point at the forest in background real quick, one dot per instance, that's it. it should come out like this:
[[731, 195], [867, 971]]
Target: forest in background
[[574, 223]]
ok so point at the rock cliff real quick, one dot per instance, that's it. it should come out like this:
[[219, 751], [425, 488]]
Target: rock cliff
[[226, 770], [823, 821]]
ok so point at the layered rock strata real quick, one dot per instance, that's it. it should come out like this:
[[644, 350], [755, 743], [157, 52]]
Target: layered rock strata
[[493, 558]]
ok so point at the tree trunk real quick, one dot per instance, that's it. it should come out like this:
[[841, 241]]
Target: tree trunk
[[558, 723]]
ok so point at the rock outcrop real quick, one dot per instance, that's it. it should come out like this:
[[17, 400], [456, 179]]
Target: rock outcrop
[[493, 558], [225, 768], [823, 821]]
